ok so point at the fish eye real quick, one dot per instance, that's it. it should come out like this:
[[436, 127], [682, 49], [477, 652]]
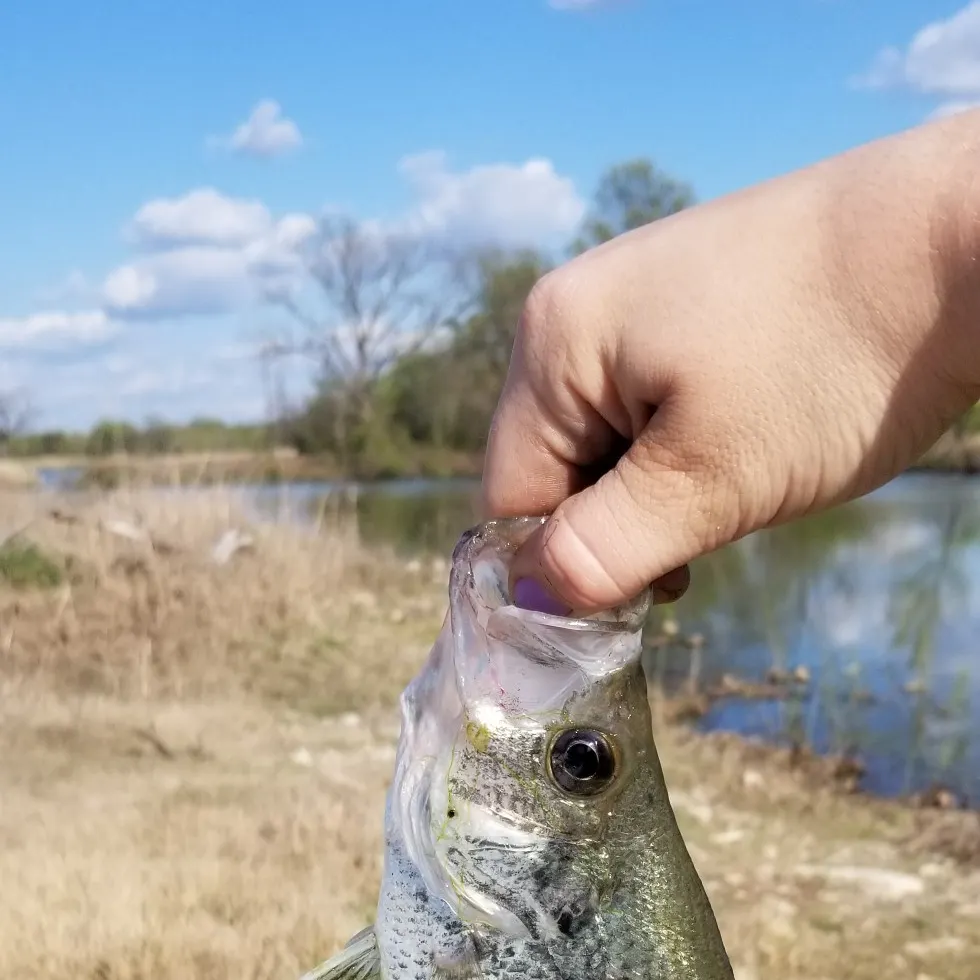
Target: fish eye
[[582, 762]]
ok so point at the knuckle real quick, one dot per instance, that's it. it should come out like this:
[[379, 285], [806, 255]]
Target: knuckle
[[547, 309]]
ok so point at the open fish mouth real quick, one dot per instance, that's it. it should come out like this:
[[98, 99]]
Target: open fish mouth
[[480, 570]]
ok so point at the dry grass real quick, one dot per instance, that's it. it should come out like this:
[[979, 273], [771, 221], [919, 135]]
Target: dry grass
[[15, 475], [298, 615], [193, 759], [202, 851]]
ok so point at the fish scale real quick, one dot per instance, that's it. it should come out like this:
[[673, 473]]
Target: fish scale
[[528, 828]]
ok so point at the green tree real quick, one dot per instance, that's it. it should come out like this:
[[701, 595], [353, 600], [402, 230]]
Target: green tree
[[109, 437], [629, 195], [157, 437], [53, 443], [483, 345], [446, 397]]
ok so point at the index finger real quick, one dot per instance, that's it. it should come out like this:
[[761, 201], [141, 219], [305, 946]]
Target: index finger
[[534, 461]]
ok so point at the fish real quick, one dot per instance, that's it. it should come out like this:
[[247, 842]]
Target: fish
[[528, 828]]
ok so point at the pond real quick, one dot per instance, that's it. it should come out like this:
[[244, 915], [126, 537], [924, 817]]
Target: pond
[[878, 601]]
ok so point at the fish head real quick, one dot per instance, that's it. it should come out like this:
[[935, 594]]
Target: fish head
[[532, 743]]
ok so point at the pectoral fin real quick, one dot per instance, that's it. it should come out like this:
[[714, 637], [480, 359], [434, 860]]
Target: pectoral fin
[[358, 960]]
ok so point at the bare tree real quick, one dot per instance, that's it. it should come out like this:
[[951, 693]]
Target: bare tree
[[16, 412], [377, 295], [270, 354]]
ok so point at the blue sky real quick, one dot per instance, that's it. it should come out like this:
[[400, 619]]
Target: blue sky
[[155, 152]]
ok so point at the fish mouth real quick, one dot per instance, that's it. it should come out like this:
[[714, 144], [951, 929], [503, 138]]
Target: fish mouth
[[479, 570]]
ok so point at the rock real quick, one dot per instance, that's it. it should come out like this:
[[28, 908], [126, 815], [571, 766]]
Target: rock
[[778, 916], [229, 544], [940, 946], [727, 837], [880, 883], [701, 812], [124, 529], [302, 757], [752, 779]]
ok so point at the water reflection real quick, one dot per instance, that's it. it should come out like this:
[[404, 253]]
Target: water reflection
[[880, 602]]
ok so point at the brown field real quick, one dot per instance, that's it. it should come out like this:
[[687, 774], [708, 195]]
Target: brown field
[[193, 757]]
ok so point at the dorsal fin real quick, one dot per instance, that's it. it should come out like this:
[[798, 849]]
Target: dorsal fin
[[358, 960]]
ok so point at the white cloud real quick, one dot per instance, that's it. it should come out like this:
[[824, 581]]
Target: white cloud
[[201, 217], [55, 330], [189, 280], [172, 380], [502, 203], [208, 253], [175, 384], [266, 133], [941, 60]]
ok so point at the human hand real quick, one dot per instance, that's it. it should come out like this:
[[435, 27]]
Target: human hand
[[740, 364]]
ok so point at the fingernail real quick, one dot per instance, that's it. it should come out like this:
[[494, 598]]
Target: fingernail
[[530, 594]]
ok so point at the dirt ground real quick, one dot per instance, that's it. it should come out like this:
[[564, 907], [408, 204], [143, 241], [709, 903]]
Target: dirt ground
[[194, 755], [225, 840]]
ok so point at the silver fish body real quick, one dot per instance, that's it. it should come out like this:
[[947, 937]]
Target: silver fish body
[[529, 832]]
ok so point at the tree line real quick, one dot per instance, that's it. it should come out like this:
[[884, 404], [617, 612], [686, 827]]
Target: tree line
[[409, 337]]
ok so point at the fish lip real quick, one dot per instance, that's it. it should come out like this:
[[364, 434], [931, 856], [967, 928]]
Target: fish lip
[[505, 535], [571, 623]]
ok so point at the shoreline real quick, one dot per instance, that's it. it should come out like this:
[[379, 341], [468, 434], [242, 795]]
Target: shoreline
[[828, 772], [253, 469], [955, 456]]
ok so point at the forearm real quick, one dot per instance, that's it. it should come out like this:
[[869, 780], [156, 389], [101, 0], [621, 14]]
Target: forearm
[[903, 215]]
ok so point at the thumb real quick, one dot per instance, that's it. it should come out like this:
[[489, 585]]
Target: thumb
[[640, 524]]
